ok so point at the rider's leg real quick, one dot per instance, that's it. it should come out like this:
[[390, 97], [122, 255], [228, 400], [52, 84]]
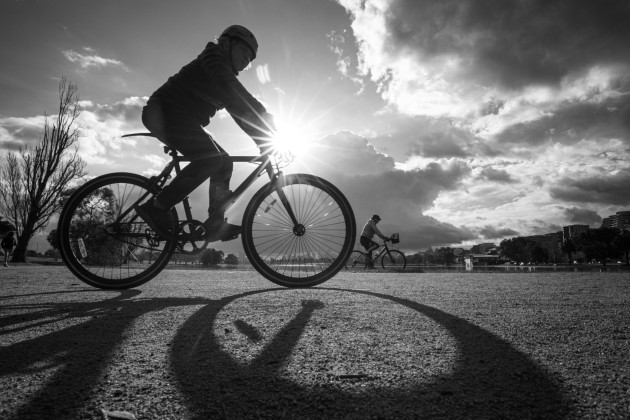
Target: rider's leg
[[183, 133], [217, 227], [369, 246], [219, 189]]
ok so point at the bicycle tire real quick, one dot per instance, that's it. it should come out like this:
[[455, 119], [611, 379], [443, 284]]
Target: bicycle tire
[[305, 254], [105, 255], [357, 261], [393, 260]]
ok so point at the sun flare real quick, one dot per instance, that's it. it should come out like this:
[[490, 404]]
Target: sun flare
[[292, 137]]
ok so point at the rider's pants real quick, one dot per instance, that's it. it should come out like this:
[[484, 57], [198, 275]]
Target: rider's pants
[[183, 133]]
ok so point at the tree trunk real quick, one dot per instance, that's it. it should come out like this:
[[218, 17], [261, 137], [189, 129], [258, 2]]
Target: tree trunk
[[19, 254]]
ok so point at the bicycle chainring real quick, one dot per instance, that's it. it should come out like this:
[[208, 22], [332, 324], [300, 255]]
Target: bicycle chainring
[[192, 238]]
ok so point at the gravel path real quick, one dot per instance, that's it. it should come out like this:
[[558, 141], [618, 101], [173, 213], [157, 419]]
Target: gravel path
[[219, 344]]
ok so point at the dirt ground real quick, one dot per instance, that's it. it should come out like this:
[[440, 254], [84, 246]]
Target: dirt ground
[[229, 344]]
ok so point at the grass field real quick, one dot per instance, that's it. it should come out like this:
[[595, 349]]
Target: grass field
[[229, 344]]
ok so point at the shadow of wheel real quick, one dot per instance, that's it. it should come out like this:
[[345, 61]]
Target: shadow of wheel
[[489, 378]]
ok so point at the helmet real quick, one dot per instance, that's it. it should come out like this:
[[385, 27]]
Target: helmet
[[244, 34], [376, 217]]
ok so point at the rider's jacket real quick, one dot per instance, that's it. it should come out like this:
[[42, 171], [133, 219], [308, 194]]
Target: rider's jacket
[[208, 84], [370, 229]]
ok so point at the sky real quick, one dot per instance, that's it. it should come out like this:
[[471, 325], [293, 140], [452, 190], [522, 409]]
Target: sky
[[457, 122]]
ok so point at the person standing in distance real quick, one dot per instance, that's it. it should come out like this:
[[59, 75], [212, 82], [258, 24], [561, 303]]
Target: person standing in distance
[[8, 244]]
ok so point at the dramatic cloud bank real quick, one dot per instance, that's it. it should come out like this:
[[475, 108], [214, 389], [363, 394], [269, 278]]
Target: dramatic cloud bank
[[534, 96]]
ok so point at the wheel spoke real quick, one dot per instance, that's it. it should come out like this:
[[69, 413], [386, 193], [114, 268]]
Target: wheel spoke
[[309, 252], [102, 239]]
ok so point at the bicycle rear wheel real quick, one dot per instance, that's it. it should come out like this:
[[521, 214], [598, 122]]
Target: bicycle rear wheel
[[103, 241], [308, 250], [394, 260], [357, 261]]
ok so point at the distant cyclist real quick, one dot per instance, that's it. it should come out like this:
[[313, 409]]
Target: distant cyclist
[[369, 230], [176, 112]]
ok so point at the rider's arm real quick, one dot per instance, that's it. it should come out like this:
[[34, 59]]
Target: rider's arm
[[258, 126], [248, 112], [377, 231]]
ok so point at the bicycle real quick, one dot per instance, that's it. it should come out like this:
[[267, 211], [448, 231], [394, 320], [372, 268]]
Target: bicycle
[[391, 259], [297, 230]]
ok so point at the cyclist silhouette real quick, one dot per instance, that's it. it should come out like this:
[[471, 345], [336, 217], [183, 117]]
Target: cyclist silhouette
[[176, 112], [369, 230]]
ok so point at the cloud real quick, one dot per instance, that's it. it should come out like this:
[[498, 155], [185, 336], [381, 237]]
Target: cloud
[[423, 232], [373, 184], [89, 59], [533, 96], [127, 111], [16, 132], [102, 127], [606, 188], [461, 59], [430, 232], [541, 227], [573, 121], [491, 232], [575, 215], [445, 143], [496, 175], [348, 152], [507, 43]]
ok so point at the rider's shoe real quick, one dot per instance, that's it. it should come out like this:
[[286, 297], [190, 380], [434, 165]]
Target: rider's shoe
[[220, 230], [370, 263], [158, 219]]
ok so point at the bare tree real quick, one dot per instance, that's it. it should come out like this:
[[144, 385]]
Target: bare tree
[[33, 180]]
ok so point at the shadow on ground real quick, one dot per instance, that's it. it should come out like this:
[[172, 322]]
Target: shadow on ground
[[490, 378]]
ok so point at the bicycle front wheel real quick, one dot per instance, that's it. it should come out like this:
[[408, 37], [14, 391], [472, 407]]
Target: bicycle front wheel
[[357, 261], [298, 231], [394, 260], [103, 241]]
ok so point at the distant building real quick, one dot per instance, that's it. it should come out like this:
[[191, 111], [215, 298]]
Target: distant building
[[482, 248], [482, 259], [620, 220], [551, 242], [573, 231], [458, 251]]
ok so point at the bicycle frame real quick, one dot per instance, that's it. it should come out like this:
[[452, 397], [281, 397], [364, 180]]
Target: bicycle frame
[[264, 164], [382, 250]]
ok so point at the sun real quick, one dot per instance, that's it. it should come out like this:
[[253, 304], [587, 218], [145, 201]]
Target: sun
[[291, 136]]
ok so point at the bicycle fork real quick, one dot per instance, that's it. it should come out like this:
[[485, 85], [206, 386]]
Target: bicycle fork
[[298, 228]]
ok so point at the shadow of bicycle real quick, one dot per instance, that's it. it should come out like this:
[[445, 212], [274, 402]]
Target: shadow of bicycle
[[487, 377]]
